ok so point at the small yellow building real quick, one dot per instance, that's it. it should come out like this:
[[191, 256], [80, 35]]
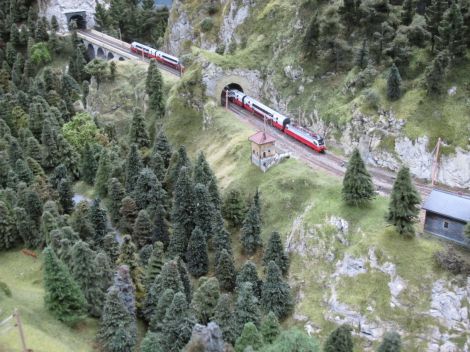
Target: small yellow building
[[263, 149]]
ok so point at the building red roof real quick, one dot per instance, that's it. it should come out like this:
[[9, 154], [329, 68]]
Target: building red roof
[[261, 138]]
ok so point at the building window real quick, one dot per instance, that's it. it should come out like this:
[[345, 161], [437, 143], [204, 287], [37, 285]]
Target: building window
[[446, 225]]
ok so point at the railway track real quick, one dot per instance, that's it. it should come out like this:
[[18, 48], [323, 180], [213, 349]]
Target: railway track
[[383, 180], [124, 47]]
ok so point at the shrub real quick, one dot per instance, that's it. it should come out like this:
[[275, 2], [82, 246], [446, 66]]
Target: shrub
[[40, 54], [207, 24], [371, 98], [450, 260]]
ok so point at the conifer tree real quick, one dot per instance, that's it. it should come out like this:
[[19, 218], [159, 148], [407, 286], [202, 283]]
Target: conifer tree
[[452, 31], [50, 151], [8, 234], [202, 171], [155, 92], [164, 302], [340, 340], [54, 23], [151, 343], [118, 329], [111, 247], [358, 188], [275, 252], [84, 272], [391, 342], [251, 230], [394, 84], [65, 195], [435, 73], [99, 221], [434, 13], [88, 165], [128, 256], [152, 67], [104, 271], [184, 277], [197, 254], [403, 209], [222, 241], [248, 273], [178, 242], [85, 92], [154, 266], [233, 208], [80, 221], [112, 70], [276, 295], [14, 35], [203, 210], [177, 324], [48, 224], [40, 34], [246, 308], [144, 254], [58, 174], [270, 328], [178, 160], [116, 194], [157, 165], [162, 147], [133, 166], [24, 227], [33, 206], [63, 297], [160, 231], [138, 131], [407, 12], [23, 171], [102, 174], [123, 282], [223, 316], [362, 56], [225, 271], [250, 337], [142, 233], [128, 213], [169, 278], [148, 191], [205, 299]]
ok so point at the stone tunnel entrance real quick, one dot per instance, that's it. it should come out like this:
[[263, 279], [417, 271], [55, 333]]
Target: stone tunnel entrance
[[78, 17], [223, 97]]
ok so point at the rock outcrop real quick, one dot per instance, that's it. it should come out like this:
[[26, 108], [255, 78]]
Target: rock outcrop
[[59, 9]]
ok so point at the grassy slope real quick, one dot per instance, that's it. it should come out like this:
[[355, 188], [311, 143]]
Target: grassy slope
[[271, 42]]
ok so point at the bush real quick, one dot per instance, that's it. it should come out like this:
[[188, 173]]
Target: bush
[[207, 24], [213, 8], [371, 98], [4, 287], [450, 260], [220, 49], [40, 54]]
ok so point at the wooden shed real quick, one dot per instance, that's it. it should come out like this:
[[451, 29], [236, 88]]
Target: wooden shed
[[446, 216]]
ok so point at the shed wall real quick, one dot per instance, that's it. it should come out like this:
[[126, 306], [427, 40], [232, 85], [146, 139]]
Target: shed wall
[[434, 223]]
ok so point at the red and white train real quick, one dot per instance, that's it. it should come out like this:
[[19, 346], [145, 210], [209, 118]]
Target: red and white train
[[281, 122], [160, 56]]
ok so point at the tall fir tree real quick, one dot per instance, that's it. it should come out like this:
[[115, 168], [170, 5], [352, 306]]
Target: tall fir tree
[[123, 282], [50, 152], [178, 160], [104, 271], [144, 254], [80, 222], [225, 271], [151, 343], [391, 342], [111, 247], [23, 171], [223, 316], [248, 273], [205, 299], [222, 241], [63, 297], [115, 194], [88, 165], [184, 277], [8, 234], [276, 295], [160, 230], [358, 188], [435, 73], [102, 174], [246, 308], [164, 302], [128, 256], [251, 231], [155, 92], [197, 254], [203, 210], [250, 337], [99, 221], [275, 252], [65, 195], [142, 233], [340, 340], [25, 228], [362, 55], [128, 212], [234, 208], [84, 271], [148, 191], [162, 147], [434, 13], [452, 31], [403, 209], [154, 266], [270, 328], [157, 165], [407, 12], [138, 131], [133, 166], [394, 84]]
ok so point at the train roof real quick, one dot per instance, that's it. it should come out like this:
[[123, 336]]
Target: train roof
[[165, 55], [305, 131]]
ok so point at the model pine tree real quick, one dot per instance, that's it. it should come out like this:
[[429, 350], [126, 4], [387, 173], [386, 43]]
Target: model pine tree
[[8, 234], [234, 208], [223, 316], [221, 242], [270, 328], [434, 13], [65, 195], [403, 209], [452, 31], [142, 233], [202, 171], [104, 271], [160, 232], [88, 165], [133, 166], [155, 93], [249, 273], [154, 266], [63, 297], [24, 227], [435, 73], [205, 299], [159, 312], [85, 273], [362, 56], [340, 340], [123, 282], [391, 342], [275, 252], [162, 147], [197, 254], [144, 254], [407, 12], [358, 188], [99, 221], [138, 131], [251, 231], [177, 325], [184, 277], [151, 343], [148, 191], [250, 337], [111, 247], [128, 256], [225, 271], [394, 84], [102, 174], [128, 212], [276, 295], [246, 308], [204, 210], [115, 194], [118, 329]]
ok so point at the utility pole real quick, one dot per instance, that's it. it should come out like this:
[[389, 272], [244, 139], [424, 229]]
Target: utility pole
[[16, 314], [435, 164], [226, 99]]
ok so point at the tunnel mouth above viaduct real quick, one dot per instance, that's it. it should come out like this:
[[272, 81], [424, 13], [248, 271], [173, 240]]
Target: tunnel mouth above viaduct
[[78, 17], [223, 94]]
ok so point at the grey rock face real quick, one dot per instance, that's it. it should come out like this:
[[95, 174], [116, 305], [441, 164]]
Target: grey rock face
[[209, 337]]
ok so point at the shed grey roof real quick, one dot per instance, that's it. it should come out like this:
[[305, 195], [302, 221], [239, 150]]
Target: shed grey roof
[[448, 204]]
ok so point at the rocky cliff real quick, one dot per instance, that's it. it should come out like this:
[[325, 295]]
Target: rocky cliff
[[60, 8]]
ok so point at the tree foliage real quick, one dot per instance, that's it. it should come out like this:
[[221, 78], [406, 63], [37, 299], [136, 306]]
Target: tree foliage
[[358, 188]]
